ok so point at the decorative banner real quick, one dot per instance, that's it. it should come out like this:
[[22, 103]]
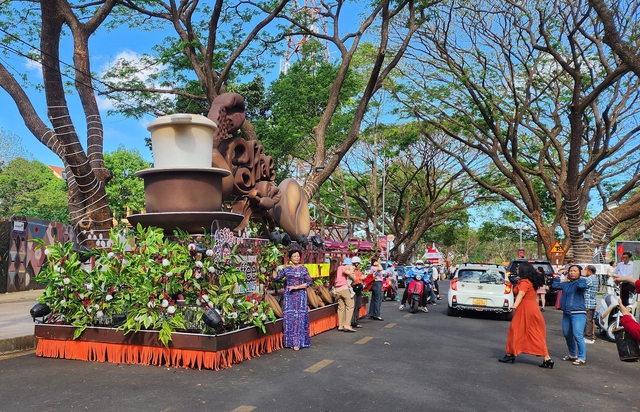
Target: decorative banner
[[383, 245]]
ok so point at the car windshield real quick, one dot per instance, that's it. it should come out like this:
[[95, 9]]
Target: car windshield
[[480, 276]]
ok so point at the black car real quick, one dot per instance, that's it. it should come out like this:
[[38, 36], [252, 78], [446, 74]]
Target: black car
[[549, 272]]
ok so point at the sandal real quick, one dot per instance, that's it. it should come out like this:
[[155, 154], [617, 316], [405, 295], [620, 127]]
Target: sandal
[[569, 358], [349, 330], [579, 362], [358, 326]]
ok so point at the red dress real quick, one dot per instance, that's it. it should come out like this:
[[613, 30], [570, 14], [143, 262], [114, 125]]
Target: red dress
[[527, 332]]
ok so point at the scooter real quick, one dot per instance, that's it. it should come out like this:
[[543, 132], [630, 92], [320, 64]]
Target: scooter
[[608, 314], [387, 289], [415, 290]]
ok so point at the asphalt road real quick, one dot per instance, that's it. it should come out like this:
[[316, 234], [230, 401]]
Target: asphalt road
[[423, 361]]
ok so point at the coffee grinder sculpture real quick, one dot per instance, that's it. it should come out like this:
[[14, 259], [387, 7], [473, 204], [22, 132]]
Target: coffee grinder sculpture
[[198, 164]]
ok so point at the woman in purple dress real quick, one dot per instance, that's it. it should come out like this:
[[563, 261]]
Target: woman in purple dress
[[295, 315]]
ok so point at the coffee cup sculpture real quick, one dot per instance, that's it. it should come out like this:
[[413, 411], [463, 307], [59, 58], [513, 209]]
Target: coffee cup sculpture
[[199, 163]]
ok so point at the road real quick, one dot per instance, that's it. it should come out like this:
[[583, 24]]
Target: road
[[422, 361]]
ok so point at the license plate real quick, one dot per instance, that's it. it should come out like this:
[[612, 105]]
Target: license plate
[[480, 302]]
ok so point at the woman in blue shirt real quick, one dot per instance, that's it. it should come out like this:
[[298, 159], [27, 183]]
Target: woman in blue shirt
[[574, 313]]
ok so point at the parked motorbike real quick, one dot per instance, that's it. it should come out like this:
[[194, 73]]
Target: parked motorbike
[[608, 314], [415, 292], [387, 289]]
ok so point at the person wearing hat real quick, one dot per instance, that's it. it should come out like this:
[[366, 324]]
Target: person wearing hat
[[343, 295], [357, 286], [420, 269]]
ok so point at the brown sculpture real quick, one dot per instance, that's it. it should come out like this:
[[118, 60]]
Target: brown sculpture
[[253, 175]]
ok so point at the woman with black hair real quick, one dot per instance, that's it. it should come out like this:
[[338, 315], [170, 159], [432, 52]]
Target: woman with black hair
[[574, 313], [295, 315], [527, 332]]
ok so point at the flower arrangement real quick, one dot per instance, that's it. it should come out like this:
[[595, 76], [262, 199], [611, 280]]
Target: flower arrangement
[[161, 285]]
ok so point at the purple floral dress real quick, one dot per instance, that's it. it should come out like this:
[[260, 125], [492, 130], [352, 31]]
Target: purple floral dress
[[295, 315]]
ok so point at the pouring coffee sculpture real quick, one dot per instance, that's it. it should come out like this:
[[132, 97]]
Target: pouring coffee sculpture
[[198, 164]]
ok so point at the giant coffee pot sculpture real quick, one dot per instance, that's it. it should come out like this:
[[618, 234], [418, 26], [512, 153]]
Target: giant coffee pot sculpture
[[182, 190], [198, 163]]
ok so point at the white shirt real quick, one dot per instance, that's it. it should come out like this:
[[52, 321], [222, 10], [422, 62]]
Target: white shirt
[[625, 270]]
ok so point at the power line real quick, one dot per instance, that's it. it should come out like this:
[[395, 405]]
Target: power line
[[150, 109]]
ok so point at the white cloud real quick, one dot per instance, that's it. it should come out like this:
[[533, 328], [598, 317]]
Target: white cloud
[[34, 66], [104, 104]]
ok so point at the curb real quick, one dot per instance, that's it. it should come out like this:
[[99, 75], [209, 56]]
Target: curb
[[17, 344]]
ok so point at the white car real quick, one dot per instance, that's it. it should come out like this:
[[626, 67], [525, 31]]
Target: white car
[[480, 287]]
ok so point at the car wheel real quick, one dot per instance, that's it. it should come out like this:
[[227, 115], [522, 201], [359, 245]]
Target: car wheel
[[451, 311]]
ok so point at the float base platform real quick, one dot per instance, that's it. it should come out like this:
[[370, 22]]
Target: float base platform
[[186, 350]]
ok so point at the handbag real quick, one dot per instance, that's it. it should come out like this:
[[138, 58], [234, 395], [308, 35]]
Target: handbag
[[628, 349], [358, 287], [333, 291]]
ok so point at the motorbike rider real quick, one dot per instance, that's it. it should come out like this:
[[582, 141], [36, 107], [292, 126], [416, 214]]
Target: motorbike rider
[[420, 269], [391, 273]]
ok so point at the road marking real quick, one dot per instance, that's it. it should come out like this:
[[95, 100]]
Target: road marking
[[244, 408], [315, 368], [364, 340], [408, 315], [390, 325]]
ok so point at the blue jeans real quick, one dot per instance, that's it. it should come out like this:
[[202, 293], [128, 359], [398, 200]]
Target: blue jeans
[[573, 331], [376, 299]]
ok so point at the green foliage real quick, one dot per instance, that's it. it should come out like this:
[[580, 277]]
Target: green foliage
[[294, 105], [162, 285], [29, 188], [125, 190]]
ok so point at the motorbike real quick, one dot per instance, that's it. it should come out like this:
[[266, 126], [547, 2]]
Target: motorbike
[[387, 289], [608, 314], [415, 290]]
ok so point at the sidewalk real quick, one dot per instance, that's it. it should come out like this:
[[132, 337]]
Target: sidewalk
[[16, 325]]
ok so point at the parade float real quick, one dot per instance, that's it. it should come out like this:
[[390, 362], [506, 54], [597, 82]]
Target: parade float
[[192, 288]]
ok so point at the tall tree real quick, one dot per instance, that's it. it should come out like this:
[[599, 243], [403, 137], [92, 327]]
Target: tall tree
[[390, 24], [423, 188], [532, 87], [86, 175]]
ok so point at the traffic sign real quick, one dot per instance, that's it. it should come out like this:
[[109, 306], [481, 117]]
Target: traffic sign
[[557, 248]]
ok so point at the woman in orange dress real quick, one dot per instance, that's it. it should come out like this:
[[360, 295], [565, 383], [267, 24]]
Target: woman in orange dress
[[527, 332]]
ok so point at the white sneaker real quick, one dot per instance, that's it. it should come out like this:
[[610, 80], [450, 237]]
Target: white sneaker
[[589, 341], [401, 307], [424, 309]]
